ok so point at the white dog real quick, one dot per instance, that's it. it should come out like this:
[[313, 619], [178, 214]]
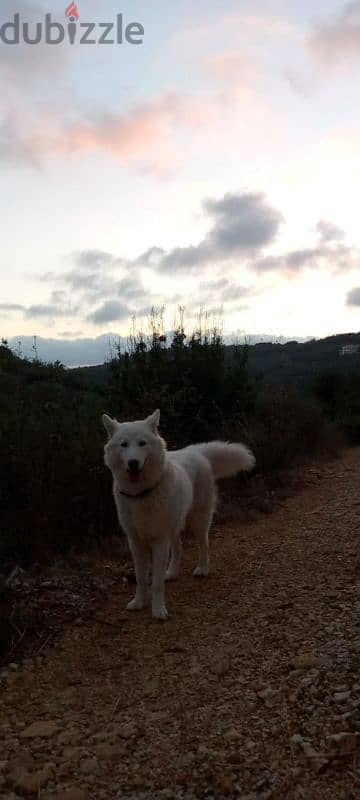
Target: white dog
[[157, 492]]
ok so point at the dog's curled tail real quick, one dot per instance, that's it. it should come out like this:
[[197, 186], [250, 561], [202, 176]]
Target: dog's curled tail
[[227, 459]]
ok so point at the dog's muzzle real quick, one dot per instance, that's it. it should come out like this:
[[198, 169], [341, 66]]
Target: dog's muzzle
[[134, 469], [133, 466]]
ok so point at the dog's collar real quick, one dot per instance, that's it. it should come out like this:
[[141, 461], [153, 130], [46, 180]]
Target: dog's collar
[[142, 494]]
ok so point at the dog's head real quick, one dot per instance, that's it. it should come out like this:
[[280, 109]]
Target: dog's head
[[135, 452]]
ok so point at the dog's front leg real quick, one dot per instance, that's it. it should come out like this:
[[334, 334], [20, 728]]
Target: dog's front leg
[[141, 556], [160, 558]]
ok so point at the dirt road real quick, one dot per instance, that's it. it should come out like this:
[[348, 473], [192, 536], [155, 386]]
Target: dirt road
[[251, 689]]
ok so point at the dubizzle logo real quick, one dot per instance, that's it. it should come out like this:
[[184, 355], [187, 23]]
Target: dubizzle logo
[[71, 12], [17, 31]]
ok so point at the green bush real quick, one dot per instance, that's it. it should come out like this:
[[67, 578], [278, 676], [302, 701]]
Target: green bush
[[339, 396], [55, 491]]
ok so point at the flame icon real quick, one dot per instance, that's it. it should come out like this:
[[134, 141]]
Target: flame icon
[[71, 11]]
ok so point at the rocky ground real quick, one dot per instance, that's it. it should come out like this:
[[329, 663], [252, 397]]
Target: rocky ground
[[251, 689]]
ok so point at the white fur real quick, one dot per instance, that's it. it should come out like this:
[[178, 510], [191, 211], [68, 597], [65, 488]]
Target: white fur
[[183, 492]]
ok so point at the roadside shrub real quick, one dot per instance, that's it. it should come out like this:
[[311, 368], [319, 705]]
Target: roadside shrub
[[338, 394], [55, 491]]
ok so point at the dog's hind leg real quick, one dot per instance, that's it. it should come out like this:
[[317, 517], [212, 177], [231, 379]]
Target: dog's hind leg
[[199, 523], [173, 569], [200, 528]]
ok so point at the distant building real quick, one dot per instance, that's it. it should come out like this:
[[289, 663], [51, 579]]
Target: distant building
[[349, 349]]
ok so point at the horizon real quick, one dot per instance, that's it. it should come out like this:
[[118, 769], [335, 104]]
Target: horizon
[[216, 163], [92, 352]]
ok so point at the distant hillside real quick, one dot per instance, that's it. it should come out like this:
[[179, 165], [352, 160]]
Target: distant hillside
[[290, 363], [297, 363], [92, 351]]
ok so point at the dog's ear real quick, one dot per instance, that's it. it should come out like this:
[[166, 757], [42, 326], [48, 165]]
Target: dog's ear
[[109, 424], [154, 420]]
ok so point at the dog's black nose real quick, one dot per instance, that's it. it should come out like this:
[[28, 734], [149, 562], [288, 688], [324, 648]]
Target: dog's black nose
[[133, 465]]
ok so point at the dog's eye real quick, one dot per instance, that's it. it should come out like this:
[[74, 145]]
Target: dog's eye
[[142, 443], [124, 444]]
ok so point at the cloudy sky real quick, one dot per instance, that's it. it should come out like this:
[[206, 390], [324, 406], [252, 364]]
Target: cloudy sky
[[217, 163]]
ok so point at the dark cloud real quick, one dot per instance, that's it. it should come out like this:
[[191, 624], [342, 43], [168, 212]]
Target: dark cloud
[[297, 259], [151, 257], [223, 290], [131, 287], [336, 40], [334, 255], [110, 311], [242, 225], [96, 286], [90, 288], [98, 277], [11, 307], [328, 232], [243, 222], [294, 261], [110, 288], [233, 292], [94, 259], [58, 296], [86, 281], [95, 275], [144, 312], [48, 311], [353, 297], [186, 258]]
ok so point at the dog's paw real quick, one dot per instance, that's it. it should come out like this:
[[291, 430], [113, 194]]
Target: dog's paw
[[171, 574], [160, 612], [135, 605], [201, 572]]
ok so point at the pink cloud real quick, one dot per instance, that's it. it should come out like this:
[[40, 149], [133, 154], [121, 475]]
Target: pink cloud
[[144, 135]]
